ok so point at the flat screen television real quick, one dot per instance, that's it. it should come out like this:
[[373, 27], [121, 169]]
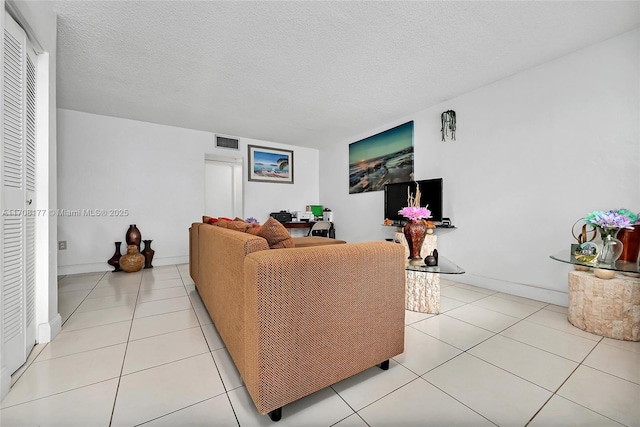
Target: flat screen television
[[395, 198]]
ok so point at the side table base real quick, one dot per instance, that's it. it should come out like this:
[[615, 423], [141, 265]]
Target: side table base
[[422, 292], [609, 308]]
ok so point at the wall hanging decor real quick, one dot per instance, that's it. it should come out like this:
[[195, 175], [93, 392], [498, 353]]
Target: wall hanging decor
[[380, 159], [448, 120], [270, 165]]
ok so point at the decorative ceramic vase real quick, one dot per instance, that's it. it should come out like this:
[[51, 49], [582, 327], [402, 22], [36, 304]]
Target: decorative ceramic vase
[[114, 261], [414, 232], [611, 247], [132, 261], [148, 253], [430, 261], [133, 236], [630, 244]]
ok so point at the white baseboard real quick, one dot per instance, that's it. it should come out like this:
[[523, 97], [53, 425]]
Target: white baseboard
[[5, 382], [48, 331], [527, 291], [64, 270]]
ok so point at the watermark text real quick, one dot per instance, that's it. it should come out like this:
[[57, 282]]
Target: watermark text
[[66, 212]]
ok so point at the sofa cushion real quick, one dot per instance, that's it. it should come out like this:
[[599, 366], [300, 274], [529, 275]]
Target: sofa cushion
[[276, 235]]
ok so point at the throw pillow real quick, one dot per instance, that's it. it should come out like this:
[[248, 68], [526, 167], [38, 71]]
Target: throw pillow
[[238, 225], [276, 235]]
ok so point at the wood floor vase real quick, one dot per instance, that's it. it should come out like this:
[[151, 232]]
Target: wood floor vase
[[133, 236], [114, 261], [148, 254], [132, 261]]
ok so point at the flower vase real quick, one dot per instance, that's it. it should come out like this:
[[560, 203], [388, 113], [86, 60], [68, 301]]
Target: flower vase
[[148, 253], [415, 232], [630, 244], [611, 247], [114, 261]]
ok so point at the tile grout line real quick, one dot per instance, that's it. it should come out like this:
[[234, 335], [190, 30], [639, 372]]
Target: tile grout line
[[554, 393], [456, 399], [226, 392], [210, 352], [124, 358], [83, 300], [13, 383], [476, 357]]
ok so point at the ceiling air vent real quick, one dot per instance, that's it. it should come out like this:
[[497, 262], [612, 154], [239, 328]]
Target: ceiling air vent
[[226, 142]]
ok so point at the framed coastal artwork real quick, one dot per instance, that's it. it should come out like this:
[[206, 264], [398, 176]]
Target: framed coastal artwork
[[270, 165], [384, 158]]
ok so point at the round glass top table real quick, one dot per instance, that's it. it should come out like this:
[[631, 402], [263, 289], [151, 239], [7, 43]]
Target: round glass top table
[[444, 267], [603, 302], [423, 284], [621, 266]]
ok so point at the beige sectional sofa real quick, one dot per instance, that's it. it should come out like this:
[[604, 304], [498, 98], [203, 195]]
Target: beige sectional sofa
[[297, 320]]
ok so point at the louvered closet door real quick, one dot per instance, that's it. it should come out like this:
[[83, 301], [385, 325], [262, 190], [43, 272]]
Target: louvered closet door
[[18, 188]]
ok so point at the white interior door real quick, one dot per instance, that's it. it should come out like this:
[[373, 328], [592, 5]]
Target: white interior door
[[18, 186], [223, 187]]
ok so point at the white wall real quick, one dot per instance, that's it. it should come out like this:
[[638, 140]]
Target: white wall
[[534, 153], [157, 173]]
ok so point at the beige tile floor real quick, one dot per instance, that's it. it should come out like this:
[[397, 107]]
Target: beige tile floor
[[140, 349]]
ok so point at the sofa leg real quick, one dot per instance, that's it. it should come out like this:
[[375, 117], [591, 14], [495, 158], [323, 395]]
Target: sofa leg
[[384, 365], [276, 414]]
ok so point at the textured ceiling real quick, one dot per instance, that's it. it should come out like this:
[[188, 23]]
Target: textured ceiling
[[307, 72]]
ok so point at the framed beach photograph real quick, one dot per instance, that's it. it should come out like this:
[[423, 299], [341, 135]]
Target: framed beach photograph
[[270, 165], [384, 158]]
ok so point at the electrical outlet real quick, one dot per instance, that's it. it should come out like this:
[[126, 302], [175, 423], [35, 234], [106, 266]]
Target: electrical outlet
[[62, 245]]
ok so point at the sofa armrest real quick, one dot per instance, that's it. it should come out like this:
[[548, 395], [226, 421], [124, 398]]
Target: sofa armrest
[[193, 250], [317, 315]]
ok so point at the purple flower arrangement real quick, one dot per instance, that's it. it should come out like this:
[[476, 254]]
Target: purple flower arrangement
[[414, 211], [621, 218]]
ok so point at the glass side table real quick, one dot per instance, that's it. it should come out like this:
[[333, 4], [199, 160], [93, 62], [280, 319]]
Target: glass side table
[[619, 266], [604, 302], [423, 285]]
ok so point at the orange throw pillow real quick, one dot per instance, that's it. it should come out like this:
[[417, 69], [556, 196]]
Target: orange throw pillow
[[209, 220], [276, 235]]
